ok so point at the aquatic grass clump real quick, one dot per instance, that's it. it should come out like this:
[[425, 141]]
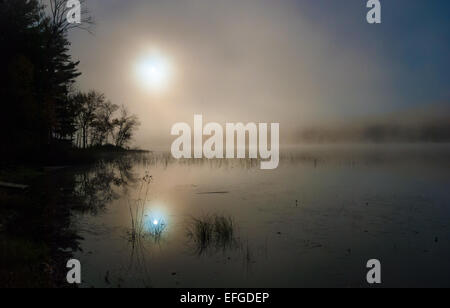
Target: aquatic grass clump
[[136, 231], [212, 232], [141, 225], [223, 229]]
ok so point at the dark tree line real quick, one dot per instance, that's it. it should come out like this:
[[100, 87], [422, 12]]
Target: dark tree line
[[39, 108]]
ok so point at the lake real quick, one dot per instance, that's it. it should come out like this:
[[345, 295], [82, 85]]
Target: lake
[[147, 220]]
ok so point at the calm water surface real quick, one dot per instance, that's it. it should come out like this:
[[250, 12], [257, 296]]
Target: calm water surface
[[314, 221]]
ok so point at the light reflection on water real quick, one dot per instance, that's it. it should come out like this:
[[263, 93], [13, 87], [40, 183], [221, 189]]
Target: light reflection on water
[[315, 221], [156, 221]]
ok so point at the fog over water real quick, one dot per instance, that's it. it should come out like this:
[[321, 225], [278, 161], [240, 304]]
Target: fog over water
[[314, 221], [300, 63]]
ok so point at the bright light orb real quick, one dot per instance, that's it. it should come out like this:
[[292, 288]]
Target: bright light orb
[[153, 72], [155, 221]]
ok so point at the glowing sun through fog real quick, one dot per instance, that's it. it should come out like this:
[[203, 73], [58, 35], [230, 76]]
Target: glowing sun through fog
[[153, 72]]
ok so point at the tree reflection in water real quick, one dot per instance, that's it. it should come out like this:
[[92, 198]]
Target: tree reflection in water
[[96, 187]]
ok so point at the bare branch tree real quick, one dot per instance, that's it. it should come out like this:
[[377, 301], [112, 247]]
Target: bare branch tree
[[60, 24], [126, 126]]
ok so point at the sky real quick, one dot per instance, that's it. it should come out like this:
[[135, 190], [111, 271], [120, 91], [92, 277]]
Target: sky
[[294, 62]]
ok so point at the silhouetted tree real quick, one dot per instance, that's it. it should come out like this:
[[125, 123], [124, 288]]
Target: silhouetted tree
[[86, 109], [38, 75], [103, 125], [95, 121], [38, 106], [20, 37], [125, 127]]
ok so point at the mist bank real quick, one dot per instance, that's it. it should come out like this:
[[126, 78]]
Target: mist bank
[[406, 127], [375, 132], [378, 133], [423, 124]]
